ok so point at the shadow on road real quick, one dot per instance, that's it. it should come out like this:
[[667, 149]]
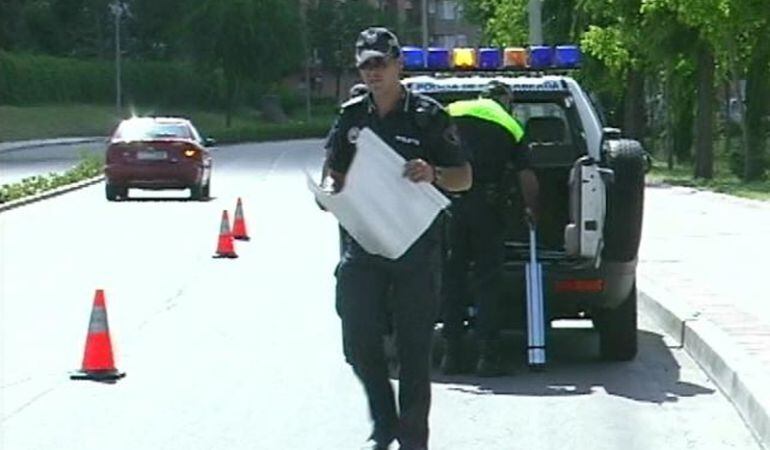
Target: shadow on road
[[166, 199], [574, 368]]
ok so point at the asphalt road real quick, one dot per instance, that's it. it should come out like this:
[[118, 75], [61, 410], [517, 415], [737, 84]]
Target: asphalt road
[[245, 353], [21, 163]]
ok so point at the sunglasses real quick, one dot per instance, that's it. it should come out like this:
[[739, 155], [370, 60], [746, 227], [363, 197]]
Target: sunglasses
[[377, 62]]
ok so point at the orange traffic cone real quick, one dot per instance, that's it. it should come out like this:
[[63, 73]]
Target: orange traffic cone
[[225, 246], [239, 224], [98, 363]]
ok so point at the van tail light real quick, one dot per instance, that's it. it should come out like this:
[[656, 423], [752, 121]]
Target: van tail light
[[590, 286]]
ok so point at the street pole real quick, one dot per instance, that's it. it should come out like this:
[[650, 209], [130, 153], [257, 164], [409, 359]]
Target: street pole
[[424, 17], [535, 22], [117, 9], [308, 53]]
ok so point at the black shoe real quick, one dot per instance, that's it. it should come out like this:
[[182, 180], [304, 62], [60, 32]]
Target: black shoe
[[451, 362], [489, 363]]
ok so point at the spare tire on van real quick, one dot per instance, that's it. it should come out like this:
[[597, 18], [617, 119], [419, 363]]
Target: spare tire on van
[[625, 199]]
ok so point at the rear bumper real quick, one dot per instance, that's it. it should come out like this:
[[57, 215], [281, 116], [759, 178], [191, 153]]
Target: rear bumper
[[176, 176], [618, 281]]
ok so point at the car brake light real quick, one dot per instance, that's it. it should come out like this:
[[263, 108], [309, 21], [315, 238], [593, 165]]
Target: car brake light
[[592, 286], [190, 152]]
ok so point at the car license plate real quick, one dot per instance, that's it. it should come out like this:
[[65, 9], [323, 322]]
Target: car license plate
[[151, 155]]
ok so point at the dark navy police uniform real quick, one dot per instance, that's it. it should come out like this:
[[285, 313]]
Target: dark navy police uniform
[[418, 127], [478, 227]]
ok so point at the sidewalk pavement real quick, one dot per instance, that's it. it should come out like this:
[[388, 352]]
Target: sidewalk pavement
[[703, 276], [23, 145]]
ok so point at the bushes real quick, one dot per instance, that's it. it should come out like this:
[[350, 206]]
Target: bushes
[[89, 166], [273, 132], [34, 79], [169, 84]]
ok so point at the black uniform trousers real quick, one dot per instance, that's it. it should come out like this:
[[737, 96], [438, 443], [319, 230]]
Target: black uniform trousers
[[374, 293], [476, 234]]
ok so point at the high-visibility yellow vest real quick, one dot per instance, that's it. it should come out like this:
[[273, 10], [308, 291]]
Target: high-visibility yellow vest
[[487, 109]]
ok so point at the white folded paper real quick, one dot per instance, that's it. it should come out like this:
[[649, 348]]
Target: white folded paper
[[383, 211]]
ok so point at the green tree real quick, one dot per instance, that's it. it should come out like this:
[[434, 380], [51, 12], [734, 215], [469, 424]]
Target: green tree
[[333, 28], [10, 11], [616, 37], [504, 22], [734, 31], [152, 34], [248, 40]]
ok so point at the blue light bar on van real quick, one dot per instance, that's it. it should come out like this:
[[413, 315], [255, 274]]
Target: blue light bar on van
[[490, 59], [540, 57], [567, 56], [414, 58], [534, 58], [439, 58]]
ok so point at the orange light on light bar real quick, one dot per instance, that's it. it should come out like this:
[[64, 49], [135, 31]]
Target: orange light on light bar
[[586, 286], [515, 57]]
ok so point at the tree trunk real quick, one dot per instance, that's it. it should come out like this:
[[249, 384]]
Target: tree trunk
[[680, 117], [727, 118], [230, 87], [683, 127], [736, 76], [633, 107], [757, 96], [704, 120], [668, 132], [337, 83]]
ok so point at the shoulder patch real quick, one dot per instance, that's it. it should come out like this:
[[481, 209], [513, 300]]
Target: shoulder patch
[[358, 100], [425, 103]]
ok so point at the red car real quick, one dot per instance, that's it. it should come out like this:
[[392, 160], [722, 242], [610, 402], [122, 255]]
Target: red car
[[157, 153]]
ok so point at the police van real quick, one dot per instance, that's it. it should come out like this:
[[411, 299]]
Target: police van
[[591, 185]]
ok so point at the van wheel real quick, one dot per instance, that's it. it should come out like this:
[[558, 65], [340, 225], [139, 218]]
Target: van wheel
[[617, 330], [625, 200]]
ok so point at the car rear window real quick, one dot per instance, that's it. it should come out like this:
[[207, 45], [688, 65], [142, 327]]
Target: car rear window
[[137, 130]]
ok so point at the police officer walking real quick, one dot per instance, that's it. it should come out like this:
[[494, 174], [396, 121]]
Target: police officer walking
[[419, 130], [477, 233]]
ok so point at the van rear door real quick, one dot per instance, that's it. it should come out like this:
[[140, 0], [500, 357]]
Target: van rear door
[[583, 236]]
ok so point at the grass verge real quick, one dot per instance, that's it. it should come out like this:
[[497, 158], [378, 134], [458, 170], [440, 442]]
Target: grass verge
[[88, 167], [723, 181], [53, 121]]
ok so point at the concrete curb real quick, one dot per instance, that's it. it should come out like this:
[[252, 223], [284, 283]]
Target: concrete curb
[[743, 381], [24, 145], [48, 194]]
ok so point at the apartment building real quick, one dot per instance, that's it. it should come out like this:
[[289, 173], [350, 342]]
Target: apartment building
[[447, 26]]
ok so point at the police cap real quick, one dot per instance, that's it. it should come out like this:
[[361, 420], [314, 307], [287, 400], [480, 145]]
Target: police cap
[[376, 42]]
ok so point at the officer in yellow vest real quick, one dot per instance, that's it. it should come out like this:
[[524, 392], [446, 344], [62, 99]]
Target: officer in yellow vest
[[494, 140]]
